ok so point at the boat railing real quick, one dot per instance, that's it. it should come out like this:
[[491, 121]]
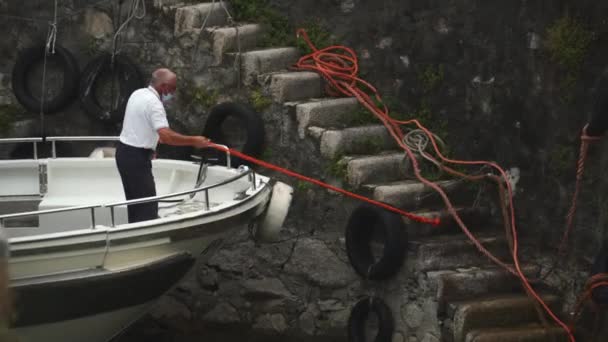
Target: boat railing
[[54, 140], [111, 206], [34, 141]]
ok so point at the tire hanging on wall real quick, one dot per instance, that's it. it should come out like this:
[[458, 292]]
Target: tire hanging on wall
[[129, 80], [360, 313], [254, 125], [359, 233], [31, 56]]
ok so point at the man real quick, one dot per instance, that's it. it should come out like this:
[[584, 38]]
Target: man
[[145, 124]]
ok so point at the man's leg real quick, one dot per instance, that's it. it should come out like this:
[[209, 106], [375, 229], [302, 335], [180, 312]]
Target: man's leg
[[135, 169], [123, 163], [145, 187]]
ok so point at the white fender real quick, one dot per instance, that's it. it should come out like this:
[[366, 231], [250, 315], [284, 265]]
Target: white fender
[[103, 152], [272, 220]]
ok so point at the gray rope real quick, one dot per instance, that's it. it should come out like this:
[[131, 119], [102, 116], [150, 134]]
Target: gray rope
[[49, 48], [418, 141], [232, 22], [46, 20], [200, 34], [135, 6]]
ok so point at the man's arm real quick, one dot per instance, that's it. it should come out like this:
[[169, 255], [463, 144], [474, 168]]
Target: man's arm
[[171, 137]]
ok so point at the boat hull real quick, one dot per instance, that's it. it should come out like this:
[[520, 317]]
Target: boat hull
[[92, 306]]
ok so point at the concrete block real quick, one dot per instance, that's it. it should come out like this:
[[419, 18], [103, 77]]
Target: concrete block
[[327, 113], [191, 18], [293, 86], [259, 62], [356, 140]]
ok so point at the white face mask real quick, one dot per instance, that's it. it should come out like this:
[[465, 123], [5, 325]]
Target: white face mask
[[167, 98]]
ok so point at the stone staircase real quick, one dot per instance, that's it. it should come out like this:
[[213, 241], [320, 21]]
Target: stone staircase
[[477, 302]]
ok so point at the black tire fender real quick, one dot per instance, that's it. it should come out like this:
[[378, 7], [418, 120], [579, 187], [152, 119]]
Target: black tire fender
[[358, 236], [33, 55], [360, 313], [130, 79], [253, 123]]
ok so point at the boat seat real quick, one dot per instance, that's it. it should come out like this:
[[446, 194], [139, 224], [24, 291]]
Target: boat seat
[[81, 182], [20, 178]]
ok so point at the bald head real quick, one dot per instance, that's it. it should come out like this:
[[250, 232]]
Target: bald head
[[162, 75], [164, 81]]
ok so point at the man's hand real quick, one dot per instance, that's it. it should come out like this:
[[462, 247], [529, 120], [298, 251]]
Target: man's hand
[[201, 142]]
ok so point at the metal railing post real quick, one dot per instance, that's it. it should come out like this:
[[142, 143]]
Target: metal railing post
[[93, 218], [54, 149], [207, 200], [112, 217], [35, 150]]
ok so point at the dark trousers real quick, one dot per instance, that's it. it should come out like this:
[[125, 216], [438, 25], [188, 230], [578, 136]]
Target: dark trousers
[[135, 168]]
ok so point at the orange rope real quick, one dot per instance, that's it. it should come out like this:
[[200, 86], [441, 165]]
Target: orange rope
[[597, 281], [338, 65], [433, 221], [585, 141]]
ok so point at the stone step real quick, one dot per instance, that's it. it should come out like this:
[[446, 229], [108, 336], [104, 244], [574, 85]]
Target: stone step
[[386, 167], [449, 252], [477, 219], [371, 139], [190, 18], [259, 62], [167, 3], [528, 333], [412, 194], [461, 284], [326, 113], [224, 39], [292, 86], [499, 311]]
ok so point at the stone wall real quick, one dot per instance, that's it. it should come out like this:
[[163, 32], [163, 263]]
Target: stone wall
[[478, 72], [494, 73], [87, 31]]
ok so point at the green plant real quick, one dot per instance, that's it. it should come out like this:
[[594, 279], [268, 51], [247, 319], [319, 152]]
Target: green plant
[[302, 186], [278, 30], [190, 94], [568, 42], [431, 77], [361, 117], [337, 167], [319, 35], [266, 154], [8, 115], [259, 101], [393, 105], [371, 145], [91, 46], [561, 159], [567, 45]]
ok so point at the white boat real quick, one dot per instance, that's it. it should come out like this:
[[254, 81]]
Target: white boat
[[79, 271]]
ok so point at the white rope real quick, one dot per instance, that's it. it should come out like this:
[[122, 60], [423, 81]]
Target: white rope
[[231, 22], [200, 33], [417, 140], [135, 6]]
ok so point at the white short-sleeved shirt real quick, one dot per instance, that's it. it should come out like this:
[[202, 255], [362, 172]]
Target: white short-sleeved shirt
[[144, 116]]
